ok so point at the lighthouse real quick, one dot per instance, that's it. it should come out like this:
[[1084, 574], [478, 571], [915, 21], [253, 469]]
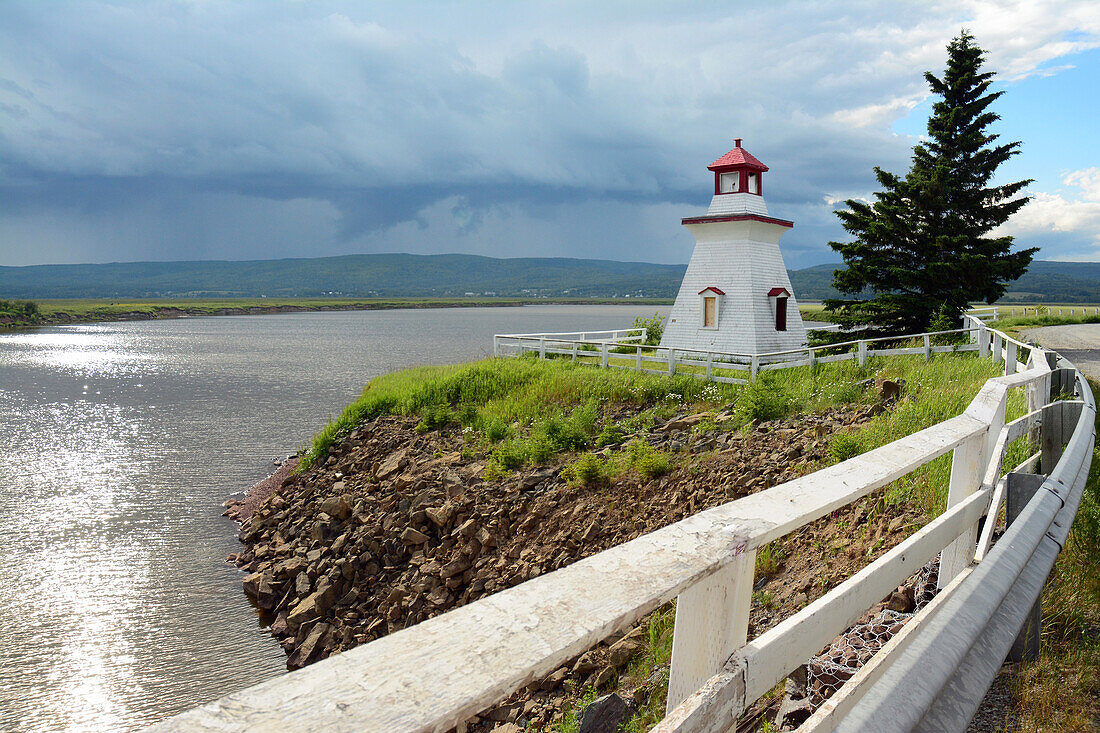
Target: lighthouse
[[736, 296]]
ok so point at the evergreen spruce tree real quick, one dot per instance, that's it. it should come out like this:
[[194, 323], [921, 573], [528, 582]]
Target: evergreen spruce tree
[[923, 248]]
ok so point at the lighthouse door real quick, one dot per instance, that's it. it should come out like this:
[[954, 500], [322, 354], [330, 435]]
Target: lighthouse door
[[709, 321], [780, 314]]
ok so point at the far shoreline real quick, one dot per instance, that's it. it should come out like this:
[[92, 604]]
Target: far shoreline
[[77, 311]]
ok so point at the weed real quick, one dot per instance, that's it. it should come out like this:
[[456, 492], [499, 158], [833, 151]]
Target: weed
[[610, 435], [571, 716], [764, 399], [769, 559], [434, 416], [497, 430], [843, 446], [647, 460], [588, 470]]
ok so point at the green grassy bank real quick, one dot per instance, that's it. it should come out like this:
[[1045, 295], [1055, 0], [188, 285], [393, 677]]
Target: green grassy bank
[[17, 314]]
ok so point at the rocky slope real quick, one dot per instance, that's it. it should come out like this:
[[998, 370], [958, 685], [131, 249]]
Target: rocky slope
[[397, 526]]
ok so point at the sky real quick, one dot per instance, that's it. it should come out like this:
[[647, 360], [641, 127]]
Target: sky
[[203, 129]]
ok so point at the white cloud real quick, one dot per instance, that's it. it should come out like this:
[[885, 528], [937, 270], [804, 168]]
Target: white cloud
[[1070, 220]]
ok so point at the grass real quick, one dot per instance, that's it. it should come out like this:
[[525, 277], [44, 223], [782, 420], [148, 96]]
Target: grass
[[1061, 689], [532, 402], [52, 312]]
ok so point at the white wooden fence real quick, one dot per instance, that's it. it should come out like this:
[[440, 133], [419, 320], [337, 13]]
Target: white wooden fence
[[718, 366], [439, 673]]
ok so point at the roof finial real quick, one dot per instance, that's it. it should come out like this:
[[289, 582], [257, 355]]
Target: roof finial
[[737, 142]]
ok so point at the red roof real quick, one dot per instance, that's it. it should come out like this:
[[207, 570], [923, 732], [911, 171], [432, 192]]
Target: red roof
[[738, 157], [778, 291], [720, 292]]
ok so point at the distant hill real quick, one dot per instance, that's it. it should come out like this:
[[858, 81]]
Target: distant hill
[[374, 275], [405, 275]]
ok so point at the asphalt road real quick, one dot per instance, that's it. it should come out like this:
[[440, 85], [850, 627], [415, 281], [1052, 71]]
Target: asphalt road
[[1079, 343]]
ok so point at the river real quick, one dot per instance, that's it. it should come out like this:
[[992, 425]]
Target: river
[[118, 444]]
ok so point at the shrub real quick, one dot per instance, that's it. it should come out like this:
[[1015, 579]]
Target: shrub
[[510, 454], [467, 415], [588, 470], [610, 435], [655, 328], [497, 430], [843, 446], [764, 399], [646, 460], [432, 417]]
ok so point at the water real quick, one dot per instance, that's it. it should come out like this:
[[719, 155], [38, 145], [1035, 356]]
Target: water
[[118, 444]]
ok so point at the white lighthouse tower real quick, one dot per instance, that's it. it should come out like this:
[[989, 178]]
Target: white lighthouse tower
[[736, 296]]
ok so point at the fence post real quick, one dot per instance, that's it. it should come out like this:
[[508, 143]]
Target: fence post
[[927, 347], [710, 361], [1020, 487], [496, 346], [862, 359], [966, 476], [997, 345], [811, 358], [603, 355], [575, 352], [983, 341], [542, 347], [1010, 358], [671, 361], [638, 366], [754, 367], [712, 622]]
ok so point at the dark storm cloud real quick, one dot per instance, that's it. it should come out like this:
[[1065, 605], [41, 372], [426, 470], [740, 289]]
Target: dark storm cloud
[[142, 130]]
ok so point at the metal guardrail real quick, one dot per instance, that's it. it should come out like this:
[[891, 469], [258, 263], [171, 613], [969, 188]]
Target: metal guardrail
[[435, 675]]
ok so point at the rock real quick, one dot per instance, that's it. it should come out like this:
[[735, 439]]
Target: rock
[[889, 389], [604, 715], [587, 662], [507, 728], [314, 605], [453, 568], [311, 648], [413, 537], [336, 507], [901, 600], [555, 678], [793, 712], [685, 423], [604, 677], [535, 478], [439, 516], [393, 464], [623, 650]]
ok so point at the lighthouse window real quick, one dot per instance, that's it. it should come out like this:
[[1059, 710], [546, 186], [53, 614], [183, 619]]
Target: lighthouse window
[[710, 312], [753, 183], [729, 182]]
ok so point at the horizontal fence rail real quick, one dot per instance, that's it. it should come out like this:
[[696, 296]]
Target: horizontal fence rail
[[437, 674], [632, 354]]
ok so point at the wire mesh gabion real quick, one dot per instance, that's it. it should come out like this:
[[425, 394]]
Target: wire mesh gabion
[[829, 670]]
